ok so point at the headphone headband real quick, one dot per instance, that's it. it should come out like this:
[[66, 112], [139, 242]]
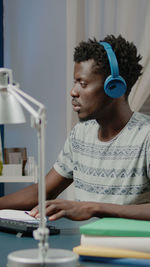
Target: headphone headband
[[112, 59], [114, 85]]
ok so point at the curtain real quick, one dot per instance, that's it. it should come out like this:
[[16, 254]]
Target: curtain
[[75, 33], [97, 18], [131, 18], [141, 91], [1, 65]]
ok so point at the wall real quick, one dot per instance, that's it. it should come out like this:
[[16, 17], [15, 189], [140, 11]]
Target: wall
[[35, 49]]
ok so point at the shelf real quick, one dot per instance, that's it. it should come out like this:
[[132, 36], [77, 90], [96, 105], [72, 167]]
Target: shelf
[[18, 179]]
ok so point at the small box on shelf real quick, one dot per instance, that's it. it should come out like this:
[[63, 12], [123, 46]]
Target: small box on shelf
[[12, 170], [12, 173], [17, 167], [16, 155]]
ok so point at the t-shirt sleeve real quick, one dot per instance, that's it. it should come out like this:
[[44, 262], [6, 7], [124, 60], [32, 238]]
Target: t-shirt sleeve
[[64, 163]]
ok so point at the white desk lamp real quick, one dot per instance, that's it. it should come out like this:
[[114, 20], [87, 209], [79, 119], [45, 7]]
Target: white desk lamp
[[11, 101]]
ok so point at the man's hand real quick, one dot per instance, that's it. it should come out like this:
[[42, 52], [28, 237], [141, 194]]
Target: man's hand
[[83, 210], [73, 210]]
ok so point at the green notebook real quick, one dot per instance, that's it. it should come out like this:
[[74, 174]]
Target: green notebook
[[117, 227]]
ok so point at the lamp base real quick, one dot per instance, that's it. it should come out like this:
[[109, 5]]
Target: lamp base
[[54, 258]]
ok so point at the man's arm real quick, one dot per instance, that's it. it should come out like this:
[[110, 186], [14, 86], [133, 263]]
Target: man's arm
[[27, 198], [74, 210]]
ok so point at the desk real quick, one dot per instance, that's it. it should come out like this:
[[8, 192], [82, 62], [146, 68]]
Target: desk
[[68, 239]]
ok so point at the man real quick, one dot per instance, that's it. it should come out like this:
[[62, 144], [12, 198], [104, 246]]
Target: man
[[107, 152]]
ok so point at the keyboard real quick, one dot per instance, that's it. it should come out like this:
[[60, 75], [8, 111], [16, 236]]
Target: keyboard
[[24, 228]]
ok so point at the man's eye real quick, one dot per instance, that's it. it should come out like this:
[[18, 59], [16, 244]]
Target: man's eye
[[83, 84]]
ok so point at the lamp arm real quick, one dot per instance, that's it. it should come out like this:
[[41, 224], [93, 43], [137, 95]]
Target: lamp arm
[[19, 95], [39, 115], [25, 95]]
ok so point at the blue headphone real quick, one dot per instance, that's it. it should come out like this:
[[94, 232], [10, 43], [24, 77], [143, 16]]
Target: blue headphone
[[114, 85]]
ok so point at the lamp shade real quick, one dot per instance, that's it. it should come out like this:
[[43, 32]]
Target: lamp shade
[[10, 109]]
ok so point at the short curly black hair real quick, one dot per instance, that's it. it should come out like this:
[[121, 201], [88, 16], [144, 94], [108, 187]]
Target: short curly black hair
[[126, 53]]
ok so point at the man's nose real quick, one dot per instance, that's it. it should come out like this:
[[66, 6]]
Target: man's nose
[[74, 91]]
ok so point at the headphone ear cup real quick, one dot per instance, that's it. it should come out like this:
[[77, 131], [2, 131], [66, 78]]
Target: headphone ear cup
[[115, 87]]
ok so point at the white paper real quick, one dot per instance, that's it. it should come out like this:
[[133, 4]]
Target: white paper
[[133, 243], [17, 215]]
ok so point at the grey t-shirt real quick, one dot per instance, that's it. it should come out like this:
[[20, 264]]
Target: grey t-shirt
[[117, 171]]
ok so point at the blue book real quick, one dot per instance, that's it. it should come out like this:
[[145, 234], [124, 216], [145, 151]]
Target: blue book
[[116, 261]]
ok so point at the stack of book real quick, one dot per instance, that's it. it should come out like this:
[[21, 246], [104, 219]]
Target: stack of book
[[116, 241]]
